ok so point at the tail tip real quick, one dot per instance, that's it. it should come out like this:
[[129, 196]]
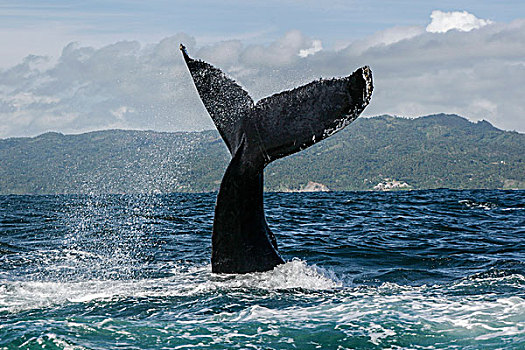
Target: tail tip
[[184, 52]]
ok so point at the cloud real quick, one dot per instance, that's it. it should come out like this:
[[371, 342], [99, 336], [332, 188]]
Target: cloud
[[442, 22], [123, 85], [317, 46], [385, 37], [478, 74], [283, 52]]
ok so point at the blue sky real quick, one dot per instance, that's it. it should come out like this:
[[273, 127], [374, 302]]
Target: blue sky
[[124, 69]]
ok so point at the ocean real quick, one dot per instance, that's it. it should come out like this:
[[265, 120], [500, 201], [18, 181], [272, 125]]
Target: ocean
[[438, 269]]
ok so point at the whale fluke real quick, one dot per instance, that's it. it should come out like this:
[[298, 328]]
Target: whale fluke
[[226, 102], [256, 134]]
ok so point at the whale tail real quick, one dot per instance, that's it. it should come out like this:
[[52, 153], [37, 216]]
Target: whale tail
[[226, 102], [256, 134]]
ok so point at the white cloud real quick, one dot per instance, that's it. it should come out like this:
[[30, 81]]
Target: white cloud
[[478, 74], [122, 84], [283, 51], [385, 37], [442, 22], [317, 46]]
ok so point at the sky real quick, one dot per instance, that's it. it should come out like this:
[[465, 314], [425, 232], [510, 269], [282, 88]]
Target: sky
[[77, 66]]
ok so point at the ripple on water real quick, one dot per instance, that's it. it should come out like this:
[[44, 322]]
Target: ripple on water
[[423, 269]]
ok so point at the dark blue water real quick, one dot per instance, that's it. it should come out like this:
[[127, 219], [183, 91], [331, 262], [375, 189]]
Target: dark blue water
[[369, 270]]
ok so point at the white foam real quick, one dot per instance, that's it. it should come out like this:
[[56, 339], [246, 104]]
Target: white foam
[[359, 310], [484, 205], [55, 339], [368, 311], [22, 295], [291, 275]]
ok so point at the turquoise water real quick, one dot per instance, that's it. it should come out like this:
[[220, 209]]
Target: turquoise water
[[419, 270]]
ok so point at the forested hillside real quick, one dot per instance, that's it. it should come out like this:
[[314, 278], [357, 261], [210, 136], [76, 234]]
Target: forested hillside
[[428, 152]]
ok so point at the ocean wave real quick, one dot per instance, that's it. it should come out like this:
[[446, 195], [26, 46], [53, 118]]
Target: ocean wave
[[16, 296], [397, 270], [301, 298], [481, 205]]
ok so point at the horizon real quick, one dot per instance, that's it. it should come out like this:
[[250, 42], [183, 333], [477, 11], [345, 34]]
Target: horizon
[[74, 67]]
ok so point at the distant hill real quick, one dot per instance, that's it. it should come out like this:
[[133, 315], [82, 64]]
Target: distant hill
[[428, 152]]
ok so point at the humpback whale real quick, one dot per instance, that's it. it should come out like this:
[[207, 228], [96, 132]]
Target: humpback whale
[[257, 134]]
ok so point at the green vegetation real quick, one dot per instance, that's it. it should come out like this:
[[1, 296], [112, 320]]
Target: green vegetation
[[428, 152]]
